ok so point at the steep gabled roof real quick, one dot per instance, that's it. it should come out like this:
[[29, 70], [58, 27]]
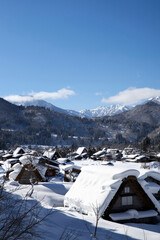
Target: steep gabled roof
[[32, 168], [51, 153], [80, 150], [18, 150], [95, 187], [98, 186]]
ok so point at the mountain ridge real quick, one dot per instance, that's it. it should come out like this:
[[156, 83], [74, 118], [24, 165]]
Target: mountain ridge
[[86, 113], [39, 125]]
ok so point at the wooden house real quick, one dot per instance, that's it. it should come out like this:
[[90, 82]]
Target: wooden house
[[29, 174], [51, 170], [82, 151], [79, 154], [113, 194], [51, 165], [71, 172], [18, 152], [6, 156], [100, 155], [28, 171], [51, 154], [130, 203]]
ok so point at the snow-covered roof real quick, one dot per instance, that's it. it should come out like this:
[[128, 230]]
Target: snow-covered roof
[[141, 157], [18, 149], [7, 164], [18, 155], [28, 159], [95, 187], [18, 167], [80, 150], [99, 152], [130, 156], [112, 150], [150, 187], [49, 154], [153, 174], [62, 160], [16, 170], [70, 167], [42, 170], [51, 166], [7, 155]]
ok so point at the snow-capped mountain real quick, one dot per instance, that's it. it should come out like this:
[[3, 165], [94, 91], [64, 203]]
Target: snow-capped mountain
[[155, 99], [104, 111], [97, 112], [42, 103]]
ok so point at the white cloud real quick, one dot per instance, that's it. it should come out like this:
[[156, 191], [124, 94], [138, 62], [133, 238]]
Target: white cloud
[[60, 94], [132, 96]]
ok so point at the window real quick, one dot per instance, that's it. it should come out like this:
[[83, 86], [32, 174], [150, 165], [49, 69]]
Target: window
[[127, 189], [127, 200]]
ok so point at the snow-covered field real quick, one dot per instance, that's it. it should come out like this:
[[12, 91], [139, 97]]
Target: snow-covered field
[[65, 223]]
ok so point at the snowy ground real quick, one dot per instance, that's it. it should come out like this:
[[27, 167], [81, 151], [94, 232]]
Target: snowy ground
[[73, 225]]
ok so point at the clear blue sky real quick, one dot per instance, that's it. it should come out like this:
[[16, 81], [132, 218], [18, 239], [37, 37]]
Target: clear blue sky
[[92, 48]]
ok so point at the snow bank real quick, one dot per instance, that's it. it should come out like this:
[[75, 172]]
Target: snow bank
[[132, 214]]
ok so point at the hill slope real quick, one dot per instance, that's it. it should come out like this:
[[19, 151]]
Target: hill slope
[[38, 125]]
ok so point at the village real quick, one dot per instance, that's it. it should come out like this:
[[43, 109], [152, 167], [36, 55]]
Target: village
[[121, 186]]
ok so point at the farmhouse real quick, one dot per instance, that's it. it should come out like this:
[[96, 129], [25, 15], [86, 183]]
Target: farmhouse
[[18, 152], [28, 171], [26, 174], [100, 155], [113, 194], [51, 154], [71, 172]]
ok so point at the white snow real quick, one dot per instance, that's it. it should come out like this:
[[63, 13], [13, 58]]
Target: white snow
[[80, 150], [81, 227], [62, 160], [16, 170], [153, 174], [132, 213], [28, 159], [16, 152], [104, 111]]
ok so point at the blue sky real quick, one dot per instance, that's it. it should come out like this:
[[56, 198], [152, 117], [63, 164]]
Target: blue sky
[[80, 54]]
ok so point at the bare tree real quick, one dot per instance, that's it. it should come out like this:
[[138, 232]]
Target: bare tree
[[96, 210], [19, 216]]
